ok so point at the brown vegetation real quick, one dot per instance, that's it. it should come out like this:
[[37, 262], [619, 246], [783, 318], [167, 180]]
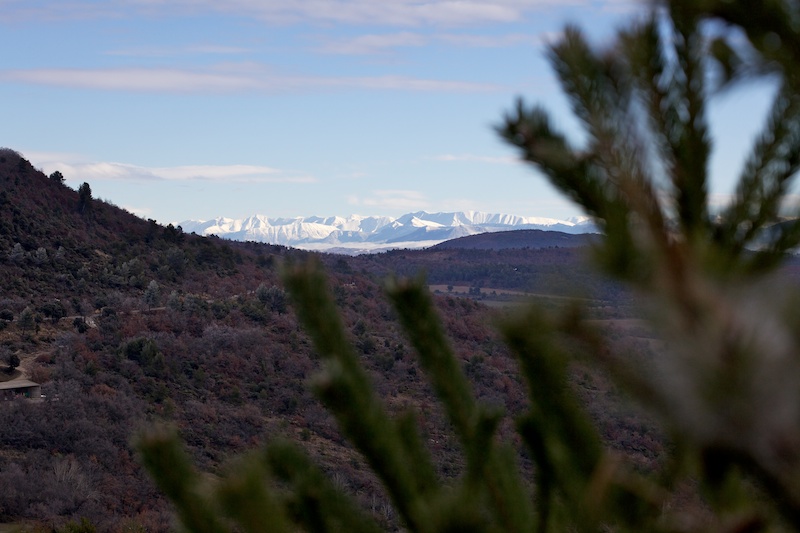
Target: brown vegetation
[[220, 354]]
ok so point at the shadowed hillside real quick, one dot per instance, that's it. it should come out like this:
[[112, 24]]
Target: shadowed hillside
[[56, 243], [530, 238]]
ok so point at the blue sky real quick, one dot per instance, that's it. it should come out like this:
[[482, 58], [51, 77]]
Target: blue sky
[[192, 109]]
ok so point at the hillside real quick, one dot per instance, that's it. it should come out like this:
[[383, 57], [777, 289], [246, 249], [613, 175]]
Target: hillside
[[531, 238], [53, 245], [127, 323]]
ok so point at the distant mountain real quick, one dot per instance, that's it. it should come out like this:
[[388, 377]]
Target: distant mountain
[[359, 234]]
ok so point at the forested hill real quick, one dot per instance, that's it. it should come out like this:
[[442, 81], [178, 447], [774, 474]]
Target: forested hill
[[56, 242], [516, 239], [42, 213]]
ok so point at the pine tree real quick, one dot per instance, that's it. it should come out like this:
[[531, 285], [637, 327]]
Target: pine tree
[[26, 321], [84, 198], [13, 361], [152, 295]]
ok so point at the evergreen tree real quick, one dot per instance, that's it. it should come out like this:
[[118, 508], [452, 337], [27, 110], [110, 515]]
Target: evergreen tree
[[273, 298], [26, 320], [17, 253], [84, 197], [13, 361], [152, 295]]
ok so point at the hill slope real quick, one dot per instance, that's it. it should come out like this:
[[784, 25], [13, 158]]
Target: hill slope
[[53, 245], [530, 238]]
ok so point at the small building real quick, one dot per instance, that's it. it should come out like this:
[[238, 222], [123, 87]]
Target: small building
[[20, 388]]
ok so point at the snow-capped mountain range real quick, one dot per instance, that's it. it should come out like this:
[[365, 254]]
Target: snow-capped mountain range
[[361, 234]]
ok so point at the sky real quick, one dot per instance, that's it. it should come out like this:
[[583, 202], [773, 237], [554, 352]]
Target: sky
[[193, 109]]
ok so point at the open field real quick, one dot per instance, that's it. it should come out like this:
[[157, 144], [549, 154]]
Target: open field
[[491, 293], [500, 298]]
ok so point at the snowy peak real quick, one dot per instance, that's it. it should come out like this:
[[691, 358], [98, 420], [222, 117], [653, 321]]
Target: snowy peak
[[360, 234]]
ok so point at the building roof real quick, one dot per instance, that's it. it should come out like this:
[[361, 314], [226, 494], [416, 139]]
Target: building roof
[[17, 384]]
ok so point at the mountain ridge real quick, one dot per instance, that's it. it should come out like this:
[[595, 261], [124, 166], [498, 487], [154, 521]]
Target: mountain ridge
[[358, 234], [516, 239]]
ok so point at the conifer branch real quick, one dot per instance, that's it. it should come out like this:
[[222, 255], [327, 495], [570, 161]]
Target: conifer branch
[[770, 26], [246, 496], [691, 148], [315, 503], [345, 389], [474, 426], [164, 457], [554, 423], [766, 178]]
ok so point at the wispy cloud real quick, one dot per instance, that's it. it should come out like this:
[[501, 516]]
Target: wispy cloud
[[196, 49], [225, 79], [621, 6], [134, 79], [718, 202], [494, 41], [371, 44], [501, 160], [397, 199], [406, 83], [383, 43], [75, 168], [409, 13], [402, 13], [141, 212]]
